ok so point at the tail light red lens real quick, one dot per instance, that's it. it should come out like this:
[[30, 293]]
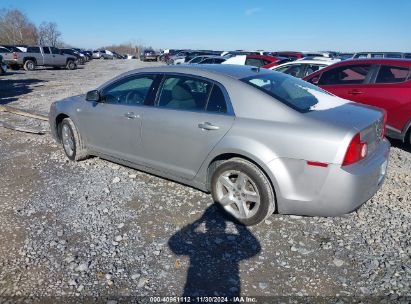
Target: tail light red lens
[[14, 55], [357, 150], [384, 126]]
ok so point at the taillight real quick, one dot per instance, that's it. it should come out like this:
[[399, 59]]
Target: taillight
[[357, 150], [14, 55], [384, 125]]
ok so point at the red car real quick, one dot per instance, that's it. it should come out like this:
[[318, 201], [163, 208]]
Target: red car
[[383, 83], [264, 61]]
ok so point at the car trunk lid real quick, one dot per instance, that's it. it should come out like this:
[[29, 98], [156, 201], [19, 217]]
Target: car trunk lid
[[369, 121]]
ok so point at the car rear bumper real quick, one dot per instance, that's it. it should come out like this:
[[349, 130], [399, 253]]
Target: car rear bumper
[[330, 191]]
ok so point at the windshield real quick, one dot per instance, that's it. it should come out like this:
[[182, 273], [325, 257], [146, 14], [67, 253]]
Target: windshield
[[295, 93]]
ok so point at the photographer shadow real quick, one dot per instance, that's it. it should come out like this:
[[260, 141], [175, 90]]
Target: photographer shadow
[[214, 254]]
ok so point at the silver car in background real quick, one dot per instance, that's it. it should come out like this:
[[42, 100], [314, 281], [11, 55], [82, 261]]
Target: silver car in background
[[258, 140]]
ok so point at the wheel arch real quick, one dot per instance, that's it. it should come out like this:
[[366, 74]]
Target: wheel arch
[[29, 58], [58, 121], [214, 162]]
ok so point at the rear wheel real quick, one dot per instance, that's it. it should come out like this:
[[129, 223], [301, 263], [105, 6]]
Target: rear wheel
[[71, 140], [243, 190], [29, 65]]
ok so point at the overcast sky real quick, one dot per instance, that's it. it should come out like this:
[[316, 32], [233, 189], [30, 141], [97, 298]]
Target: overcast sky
[[225, 25]]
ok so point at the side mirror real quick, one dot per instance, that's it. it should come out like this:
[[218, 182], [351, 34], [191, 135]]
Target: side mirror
[[315, 80], [93, 96]]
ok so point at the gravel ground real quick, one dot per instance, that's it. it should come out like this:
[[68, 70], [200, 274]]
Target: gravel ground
[[98, 229]]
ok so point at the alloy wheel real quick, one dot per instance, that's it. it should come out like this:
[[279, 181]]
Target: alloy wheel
[[238, 194], [68, 140]]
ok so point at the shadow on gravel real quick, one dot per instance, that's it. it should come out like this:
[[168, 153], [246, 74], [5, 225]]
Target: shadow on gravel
[[214, 254], [10, 89]]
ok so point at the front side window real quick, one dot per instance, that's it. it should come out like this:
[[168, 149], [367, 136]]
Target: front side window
[[293, 92], [129, 91], [353, 74], [184, 93], [392, 74], [46, 50], [393, 55]]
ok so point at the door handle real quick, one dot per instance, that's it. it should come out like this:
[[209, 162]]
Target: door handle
[[131, 115], [208, 126], [354, 92]]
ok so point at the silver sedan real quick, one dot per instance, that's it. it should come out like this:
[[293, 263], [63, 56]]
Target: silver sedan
[[258, 140]]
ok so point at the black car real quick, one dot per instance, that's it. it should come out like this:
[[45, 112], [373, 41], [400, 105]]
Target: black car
[[80, 59]]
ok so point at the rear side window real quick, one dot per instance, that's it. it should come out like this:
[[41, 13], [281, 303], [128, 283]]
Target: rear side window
[[33, 49], [353, 74], [294, 70], [3, 50], [392, 74], [216, 102], [55, 50], [184, 93], [311, 68]]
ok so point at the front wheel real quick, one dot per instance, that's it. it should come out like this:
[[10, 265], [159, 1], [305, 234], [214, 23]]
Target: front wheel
[[71, 65], [71, 140], [243, 190]]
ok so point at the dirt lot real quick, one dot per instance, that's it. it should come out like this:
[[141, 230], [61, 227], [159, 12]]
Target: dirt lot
[[95, 228]]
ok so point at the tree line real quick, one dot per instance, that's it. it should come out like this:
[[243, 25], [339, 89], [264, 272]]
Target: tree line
[[17, 29]]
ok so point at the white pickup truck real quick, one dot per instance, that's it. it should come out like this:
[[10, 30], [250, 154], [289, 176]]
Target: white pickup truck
[[39, 56]]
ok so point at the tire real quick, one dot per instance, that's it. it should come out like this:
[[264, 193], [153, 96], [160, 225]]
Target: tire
[[71, 141], [29, 65], [408, 139], [249, 203], [102, 57], [71, 65]]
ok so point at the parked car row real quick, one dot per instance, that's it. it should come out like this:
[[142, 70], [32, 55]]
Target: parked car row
[[370, 78], [37, 56]]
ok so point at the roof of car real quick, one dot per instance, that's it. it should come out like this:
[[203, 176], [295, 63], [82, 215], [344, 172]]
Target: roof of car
[[323, 62], [230, 70], [397, 61]]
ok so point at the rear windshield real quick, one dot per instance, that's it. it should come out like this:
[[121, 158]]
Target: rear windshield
[[293, 92]]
